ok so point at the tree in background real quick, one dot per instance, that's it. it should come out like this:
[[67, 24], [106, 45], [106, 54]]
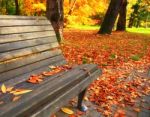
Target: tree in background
[[134, 13], [17, 7], [110, 17], [141, 11], [55, 14], [121, 24]]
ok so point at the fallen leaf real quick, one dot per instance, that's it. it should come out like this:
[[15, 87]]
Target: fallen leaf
[[80, 112], [9, 89], [53, 116], [67, 111], [85, 98], [1, 102], [21, 92], [3, 88], [16, 98], [136, 109], [52, 67]]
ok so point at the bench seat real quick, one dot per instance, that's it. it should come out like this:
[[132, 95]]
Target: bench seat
[[28, 45]]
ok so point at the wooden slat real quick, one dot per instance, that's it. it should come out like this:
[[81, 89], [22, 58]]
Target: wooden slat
[[51, 107], [28, 68], [53, 79], [24, 77], [22, 17], [26, 51], [24, 44], [44, 95], [14, 22], [28, 60], [25, 36], [24, 29]]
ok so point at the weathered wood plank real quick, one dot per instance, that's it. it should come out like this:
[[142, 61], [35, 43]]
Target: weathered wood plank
[[25, 44], [14, 22], [74, 89], [24, 29], [26, 51], [28, 68], [19, 79], [22, 17], [28, 60], [26, 36], [48, 95]]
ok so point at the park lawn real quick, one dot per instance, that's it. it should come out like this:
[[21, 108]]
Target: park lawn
[[96, 27], [118, 55]]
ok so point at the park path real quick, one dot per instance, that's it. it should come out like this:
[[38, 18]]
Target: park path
[[143, 103]]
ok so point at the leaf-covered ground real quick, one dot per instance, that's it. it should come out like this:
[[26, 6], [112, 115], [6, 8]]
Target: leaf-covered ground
[[123, 57]]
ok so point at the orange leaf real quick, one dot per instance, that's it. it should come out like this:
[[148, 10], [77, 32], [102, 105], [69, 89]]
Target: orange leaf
[[32, 81], [137, 109], [16, 98], [9, 89], [47, 73], [3, 88]]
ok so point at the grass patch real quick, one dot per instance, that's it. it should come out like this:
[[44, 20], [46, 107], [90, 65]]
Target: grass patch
[[139, 30], [135, 57], [96, 27]]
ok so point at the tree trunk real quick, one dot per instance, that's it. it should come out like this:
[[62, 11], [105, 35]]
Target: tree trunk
[[55, 14], [134, 14], [131, 21], [121, 25], [110, 17], [17, 7]]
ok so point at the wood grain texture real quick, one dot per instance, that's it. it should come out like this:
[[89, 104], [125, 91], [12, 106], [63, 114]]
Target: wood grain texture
[[22, 17], [26, 36], [28, 68], [28, 45], [28, 60], [49, 94], [22, 78], [24, 29], [15, 22], [26, 51], [25, 44]]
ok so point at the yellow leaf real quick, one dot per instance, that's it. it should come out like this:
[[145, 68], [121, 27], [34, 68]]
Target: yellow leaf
[[9, 89], [52, 67], [86, 99], [67, 111], [16, 98], [3, 88], [22, 92], [137, 109]]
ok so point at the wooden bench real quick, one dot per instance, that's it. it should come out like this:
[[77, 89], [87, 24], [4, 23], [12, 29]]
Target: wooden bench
[[28, 45]]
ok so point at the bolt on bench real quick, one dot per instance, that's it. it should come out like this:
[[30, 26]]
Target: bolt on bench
[[28, 45]]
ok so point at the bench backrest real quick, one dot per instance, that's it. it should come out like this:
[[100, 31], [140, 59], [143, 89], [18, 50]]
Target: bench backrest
[[26, 44]]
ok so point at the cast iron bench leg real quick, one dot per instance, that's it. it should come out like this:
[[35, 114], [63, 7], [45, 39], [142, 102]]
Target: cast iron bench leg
[[80, 106]]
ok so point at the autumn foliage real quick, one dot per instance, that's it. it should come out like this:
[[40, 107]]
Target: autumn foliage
[[34, 7], [122, 56]]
